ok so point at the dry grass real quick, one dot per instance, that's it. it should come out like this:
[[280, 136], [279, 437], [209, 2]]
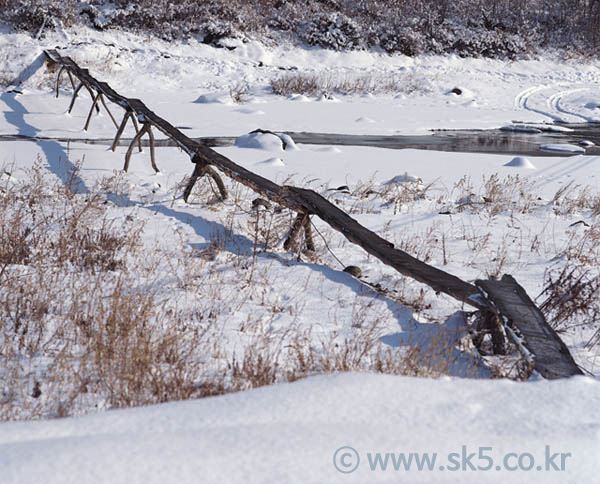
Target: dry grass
[[90, 324], [316, 84], [86, 326]]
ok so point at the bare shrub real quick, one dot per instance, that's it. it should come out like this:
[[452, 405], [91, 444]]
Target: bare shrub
[[240, 93], [572, 198], [571, 297], [496, 195], [488, 28], [315, 84]]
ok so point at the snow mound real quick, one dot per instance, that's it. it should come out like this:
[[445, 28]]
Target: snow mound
[[587, 143], [290, 144], [215, 98], [364, 119], [406, 178], [299, 98], [562, 148], [521, 162], [260, 141], [276, 162], [329, 149]]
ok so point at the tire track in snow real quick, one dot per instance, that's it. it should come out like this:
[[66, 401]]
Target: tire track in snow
[[554, 103], [523, 101]]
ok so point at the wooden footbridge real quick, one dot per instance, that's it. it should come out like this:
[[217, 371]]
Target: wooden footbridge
[[506, 310]]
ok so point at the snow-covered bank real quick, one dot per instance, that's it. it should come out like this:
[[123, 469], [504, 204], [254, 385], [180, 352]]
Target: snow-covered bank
[[219, 267], [289, 433], [190, 81]]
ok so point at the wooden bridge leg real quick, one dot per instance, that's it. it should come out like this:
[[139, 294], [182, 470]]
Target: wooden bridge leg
[[148, 128], [108, 111], [135, 140], [208, 170], [71, 79], [89, 118], [75, 93], [120, 130], [58, 79], [137, 130], [308, 238], [489, 323], [89, 89], [200, 170], [298, 224], [192, 181]]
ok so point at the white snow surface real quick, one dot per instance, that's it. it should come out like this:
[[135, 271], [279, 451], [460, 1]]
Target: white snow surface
[[562, 148], [260, 141], [290, 432], [521, 162]]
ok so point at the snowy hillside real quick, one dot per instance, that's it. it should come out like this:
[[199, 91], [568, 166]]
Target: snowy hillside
[[116, 293]]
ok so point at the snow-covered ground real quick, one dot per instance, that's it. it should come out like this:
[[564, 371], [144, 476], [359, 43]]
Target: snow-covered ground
[[429, 203], [291, 432]]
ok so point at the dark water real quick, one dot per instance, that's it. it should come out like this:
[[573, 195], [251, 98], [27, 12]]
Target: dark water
[[465, 141]]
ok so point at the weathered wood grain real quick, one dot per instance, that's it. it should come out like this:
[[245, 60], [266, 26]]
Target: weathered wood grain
[[551, 356]]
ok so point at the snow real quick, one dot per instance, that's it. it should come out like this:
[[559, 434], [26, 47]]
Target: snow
[[289, 433], [562, 148], [217, 98], [406, 178], [521, 162], [260, 141], [273, 162]]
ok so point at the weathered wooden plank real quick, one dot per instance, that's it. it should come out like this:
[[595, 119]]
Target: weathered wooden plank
[[551, 357], [404, 263]]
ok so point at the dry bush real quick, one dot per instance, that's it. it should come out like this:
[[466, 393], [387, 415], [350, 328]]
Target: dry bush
[[240, 93], [572, 198], [315, 84], [571, 297], [496, 195]]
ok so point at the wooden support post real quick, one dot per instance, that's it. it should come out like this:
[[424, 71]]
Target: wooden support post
[[148, 128], [488, 322], [192, 181], [137, 130], [75, 93], [135, 140], [89, 89], [108, 111], [308, 238], [58, 78], [71, 79], [120, 130], [298, 224], [217, 179], [89, 118], [200, 170]]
